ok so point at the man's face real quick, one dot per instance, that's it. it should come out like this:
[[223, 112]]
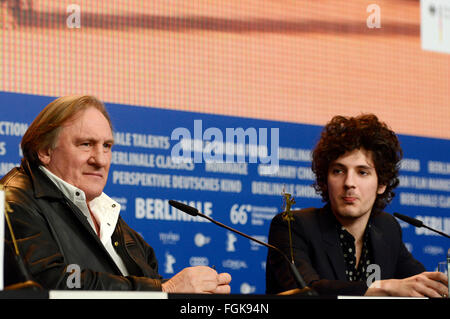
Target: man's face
[[353, 185], [82, 155]]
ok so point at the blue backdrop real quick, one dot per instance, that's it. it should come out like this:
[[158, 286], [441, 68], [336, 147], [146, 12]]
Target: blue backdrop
[[143, 177]]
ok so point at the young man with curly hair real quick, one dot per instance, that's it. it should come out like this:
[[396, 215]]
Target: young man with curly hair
[[341, 248]]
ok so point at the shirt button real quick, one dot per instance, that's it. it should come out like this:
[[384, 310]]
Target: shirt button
[[116, 243], [77, 193], [113, 205]]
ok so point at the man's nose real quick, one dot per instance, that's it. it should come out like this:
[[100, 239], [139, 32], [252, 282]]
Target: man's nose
[[99, 157], [349, 181]]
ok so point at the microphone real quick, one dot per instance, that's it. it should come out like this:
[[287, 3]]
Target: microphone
[[418, 223], [194, 212]]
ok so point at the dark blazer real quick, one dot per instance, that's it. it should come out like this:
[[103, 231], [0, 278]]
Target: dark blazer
[[319, 257], [53, 233]]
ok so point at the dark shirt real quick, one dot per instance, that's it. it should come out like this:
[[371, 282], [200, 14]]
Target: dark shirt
[[347, 243]]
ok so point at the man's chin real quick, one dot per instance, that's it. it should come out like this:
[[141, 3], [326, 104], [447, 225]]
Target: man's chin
[[349, 212], [90, 195]]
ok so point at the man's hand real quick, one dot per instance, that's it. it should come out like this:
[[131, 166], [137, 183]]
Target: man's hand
[[199, 279], [426, 284]]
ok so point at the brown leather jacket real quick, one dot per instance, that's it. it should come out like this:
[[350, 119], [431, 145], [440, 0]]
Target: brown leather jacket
[[52, 233]]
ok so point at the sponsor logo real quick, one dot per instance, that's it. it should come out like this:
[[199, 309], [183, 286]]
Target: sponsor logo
[[168, 263], [254, 245], [433, 250], [201, 240], [198, 261], [231, 240], [234, 264], [169, 238], [246, 288]]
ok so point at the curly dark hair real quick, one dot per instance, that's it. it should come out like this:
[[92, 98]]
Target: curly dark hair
[[345, 134]]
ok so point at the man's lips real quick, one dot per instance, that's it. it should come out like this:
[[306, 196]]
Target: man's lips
[[94, 174], [349, 199]]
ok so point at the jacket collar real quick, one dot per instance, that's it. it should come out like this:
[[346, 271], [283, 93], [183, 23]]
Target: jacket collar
[[42, 185], [380, 247], [327, 224]]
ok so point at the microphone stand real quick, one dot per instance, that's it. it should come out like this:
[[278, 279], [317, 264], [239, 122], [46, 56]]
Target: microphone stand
[[303, 288], [28, 284], [418, 223]]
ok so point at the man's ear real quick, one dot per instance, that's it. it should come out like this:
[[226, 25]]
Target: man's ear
[[381, 189], [45, 155]]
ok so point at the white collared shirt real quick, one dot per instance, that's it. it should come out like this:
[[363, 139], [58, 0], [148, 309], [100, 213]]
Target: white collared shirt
[[105, 209]]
